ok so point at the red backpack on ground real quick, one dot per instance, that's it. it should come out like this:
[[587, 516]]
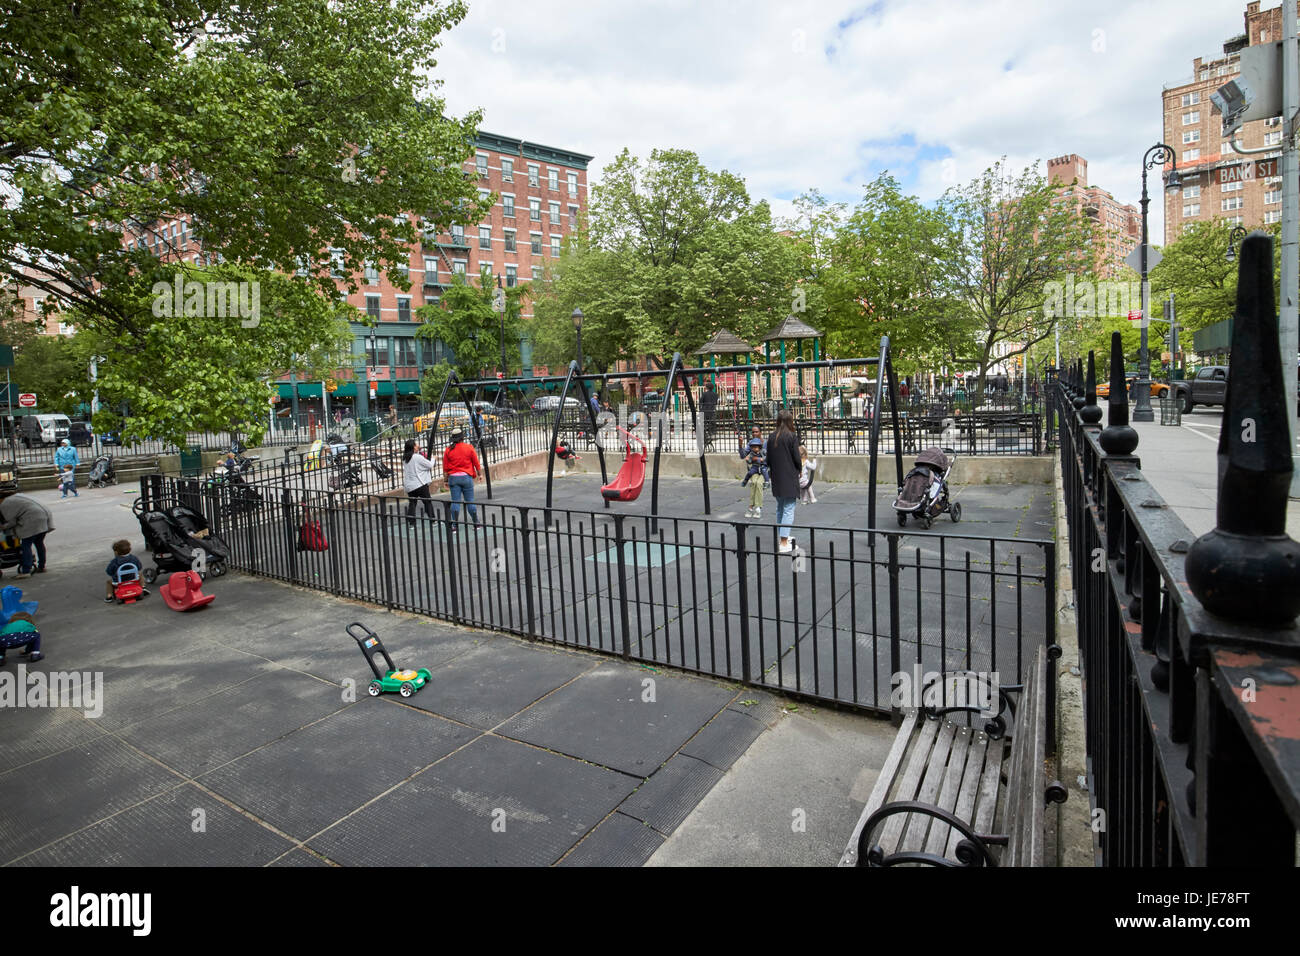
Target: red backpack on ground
[[311, 537]]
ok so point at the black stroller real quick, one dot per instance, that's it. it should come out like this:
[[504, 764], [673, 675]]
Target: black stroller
[[176, 537], [102, 472], [924, 495]]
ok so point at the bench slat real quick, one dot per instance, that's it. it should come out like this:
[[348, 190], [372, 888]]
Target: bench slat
[[935, 771], [1025, 800], [911, 779], [880, 792], [958, 784], [987, 805]]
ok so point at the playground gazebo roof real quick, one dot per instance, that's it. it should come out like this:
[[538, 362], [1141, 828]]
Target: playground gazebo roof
[[724, 342], [791, 328]]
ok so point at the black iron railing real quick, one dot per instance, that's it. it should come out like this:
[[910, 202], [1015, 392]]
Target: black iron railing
[[835, 621], [1192, 718]]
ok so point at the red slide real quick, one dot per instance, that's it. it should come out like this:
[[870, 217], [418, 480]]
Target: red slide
[[626, 485]]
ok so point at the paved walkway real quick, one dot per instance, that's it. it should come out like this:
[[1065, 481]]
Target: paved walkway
[[242, 735], [1182, 464]]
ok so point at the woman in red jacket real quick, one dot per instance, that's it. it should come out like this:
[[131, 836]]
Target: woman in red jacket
[[461, 466]]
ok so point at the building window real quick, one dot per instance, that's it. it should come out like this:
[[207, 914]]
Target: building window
[[485, 237], [372, 274], [372, 307], [1191, 99], [1272, 216], [533, 170], [555, 213], [1192, 136], [483, 194], [403, 308], [1273, 138], [405, 349], [482, 162], [535, 243], [1191, 209], [508, 205], [553, 179], [512, 276], [535, 210], [573, 184], [1191, 192], [430, 270], [510, 240], [336, 263], [1193, 153], [1234, 220], [459, 266], [1193, 117], [555, 247], [1234, 203], [380, 353], [1230, 187], [537, 273], [507, 170], [573, 217], [1273, 195], [458, 235]]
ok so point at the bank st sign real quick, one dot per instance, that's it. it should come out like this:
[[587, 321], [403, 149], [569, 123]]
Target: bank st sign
[[1245, 172]]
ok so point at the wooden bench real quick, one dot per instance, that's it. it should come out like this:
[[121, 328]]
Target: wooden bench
[[954, 795]]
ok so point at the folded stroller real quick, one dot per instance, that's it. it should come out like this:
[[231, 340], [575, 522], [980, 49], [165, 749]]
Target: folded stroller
[[924, 494], [177, 537], [102, 472]]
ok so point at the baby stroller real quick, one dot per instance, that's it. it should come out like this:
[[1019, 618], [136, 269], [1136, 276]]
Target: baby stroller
[[347, 474], [924, 495], [102, 472], [176, 537], [10, 552]]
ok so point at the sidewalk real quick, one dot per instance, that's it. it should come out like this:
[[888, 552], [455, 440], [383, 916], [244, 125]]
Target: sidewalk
[[1182, 465]]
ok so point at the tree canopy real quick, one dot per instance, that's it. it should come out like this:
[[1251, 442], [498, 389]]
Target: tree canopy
[[288, 136], [465, 322], [670, 252]]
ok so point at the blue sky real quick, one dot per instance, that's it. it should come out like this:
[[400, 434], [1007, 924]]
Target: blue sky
[[795, 96]]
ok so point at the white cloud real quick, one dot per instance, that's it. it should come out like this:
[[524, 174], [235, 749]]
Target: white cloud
[[751, 87]]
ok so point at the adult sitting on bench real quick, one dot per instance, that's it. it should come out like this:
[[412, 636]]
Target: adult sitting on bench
[[944, 805]]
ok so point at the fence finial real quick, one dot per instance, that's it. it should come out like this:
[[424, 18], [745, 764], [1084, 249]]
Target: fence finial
[[1118, 437], [1090, 413], [1076, 385], [1247, 569]]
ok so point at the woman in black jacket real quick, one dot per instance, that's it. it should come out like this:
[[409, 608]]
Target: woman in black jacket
[[784, 465]]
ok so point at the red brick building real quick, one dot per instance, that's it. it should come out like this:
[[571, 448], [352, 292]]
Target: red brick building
[[1119, 224], [1219, 183]]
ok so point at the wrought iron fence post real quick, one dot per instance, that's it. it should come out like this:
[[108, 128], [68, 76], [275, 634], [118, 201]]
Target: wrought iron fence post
[[622, 587], [453, 568], [291, 537], [525, 534], [895, 646], [387, 539], [742, 568]]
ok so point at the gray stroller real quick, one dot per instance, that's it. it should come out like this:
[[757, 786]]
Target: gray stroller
[[924, 494]]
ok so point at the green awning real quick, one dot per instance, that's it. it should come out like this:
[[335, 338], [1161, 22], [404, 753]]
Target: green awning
[[309, 390]]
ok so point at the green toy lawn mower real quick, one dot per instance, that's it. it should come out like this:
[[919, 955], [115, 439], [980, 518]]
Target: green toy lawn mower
[[404, 682]]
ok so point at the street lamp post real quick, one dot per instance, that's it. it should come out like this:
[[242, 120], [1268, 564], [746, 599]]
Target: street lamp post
[[577, 324], [1238, 233], [1158, 154]]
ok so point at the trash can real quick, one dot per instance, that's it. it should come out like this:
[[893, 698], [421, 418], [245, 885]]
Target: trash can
[[191, 461], [369, 428], [1171, 410]]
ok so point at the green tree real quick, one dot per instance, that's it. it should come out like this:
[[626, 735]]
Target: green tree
[[1196, 270], [288, 135], [465, 322], [1007, 237], [880, 277], [671, 252]]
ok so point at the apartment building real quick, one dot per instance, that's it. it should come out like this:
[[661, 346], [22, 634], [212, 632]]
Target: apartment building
[[1119, 225], [1219, 183]]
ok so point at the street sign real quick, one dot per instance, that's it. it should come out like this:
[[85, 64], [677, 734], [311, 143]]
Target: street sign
[[1135, 316], [1134, 259], [27, 400], [499, 300]]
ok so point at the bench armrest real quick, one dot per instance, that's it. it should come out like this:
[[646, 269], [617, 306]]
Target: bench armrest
[[972, 850], [996, 726]]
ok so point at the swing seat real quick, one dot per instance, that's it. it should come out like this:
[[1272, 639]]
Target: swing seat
[[627, 484]]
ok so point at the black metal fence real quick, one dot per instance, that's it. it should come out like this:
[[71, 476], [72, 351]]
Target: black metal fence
[[835, 621], [1191, 718]]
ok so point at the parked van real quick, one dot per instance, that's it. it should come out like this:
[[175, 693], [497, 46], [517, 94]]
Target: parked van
[[42, 429]]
